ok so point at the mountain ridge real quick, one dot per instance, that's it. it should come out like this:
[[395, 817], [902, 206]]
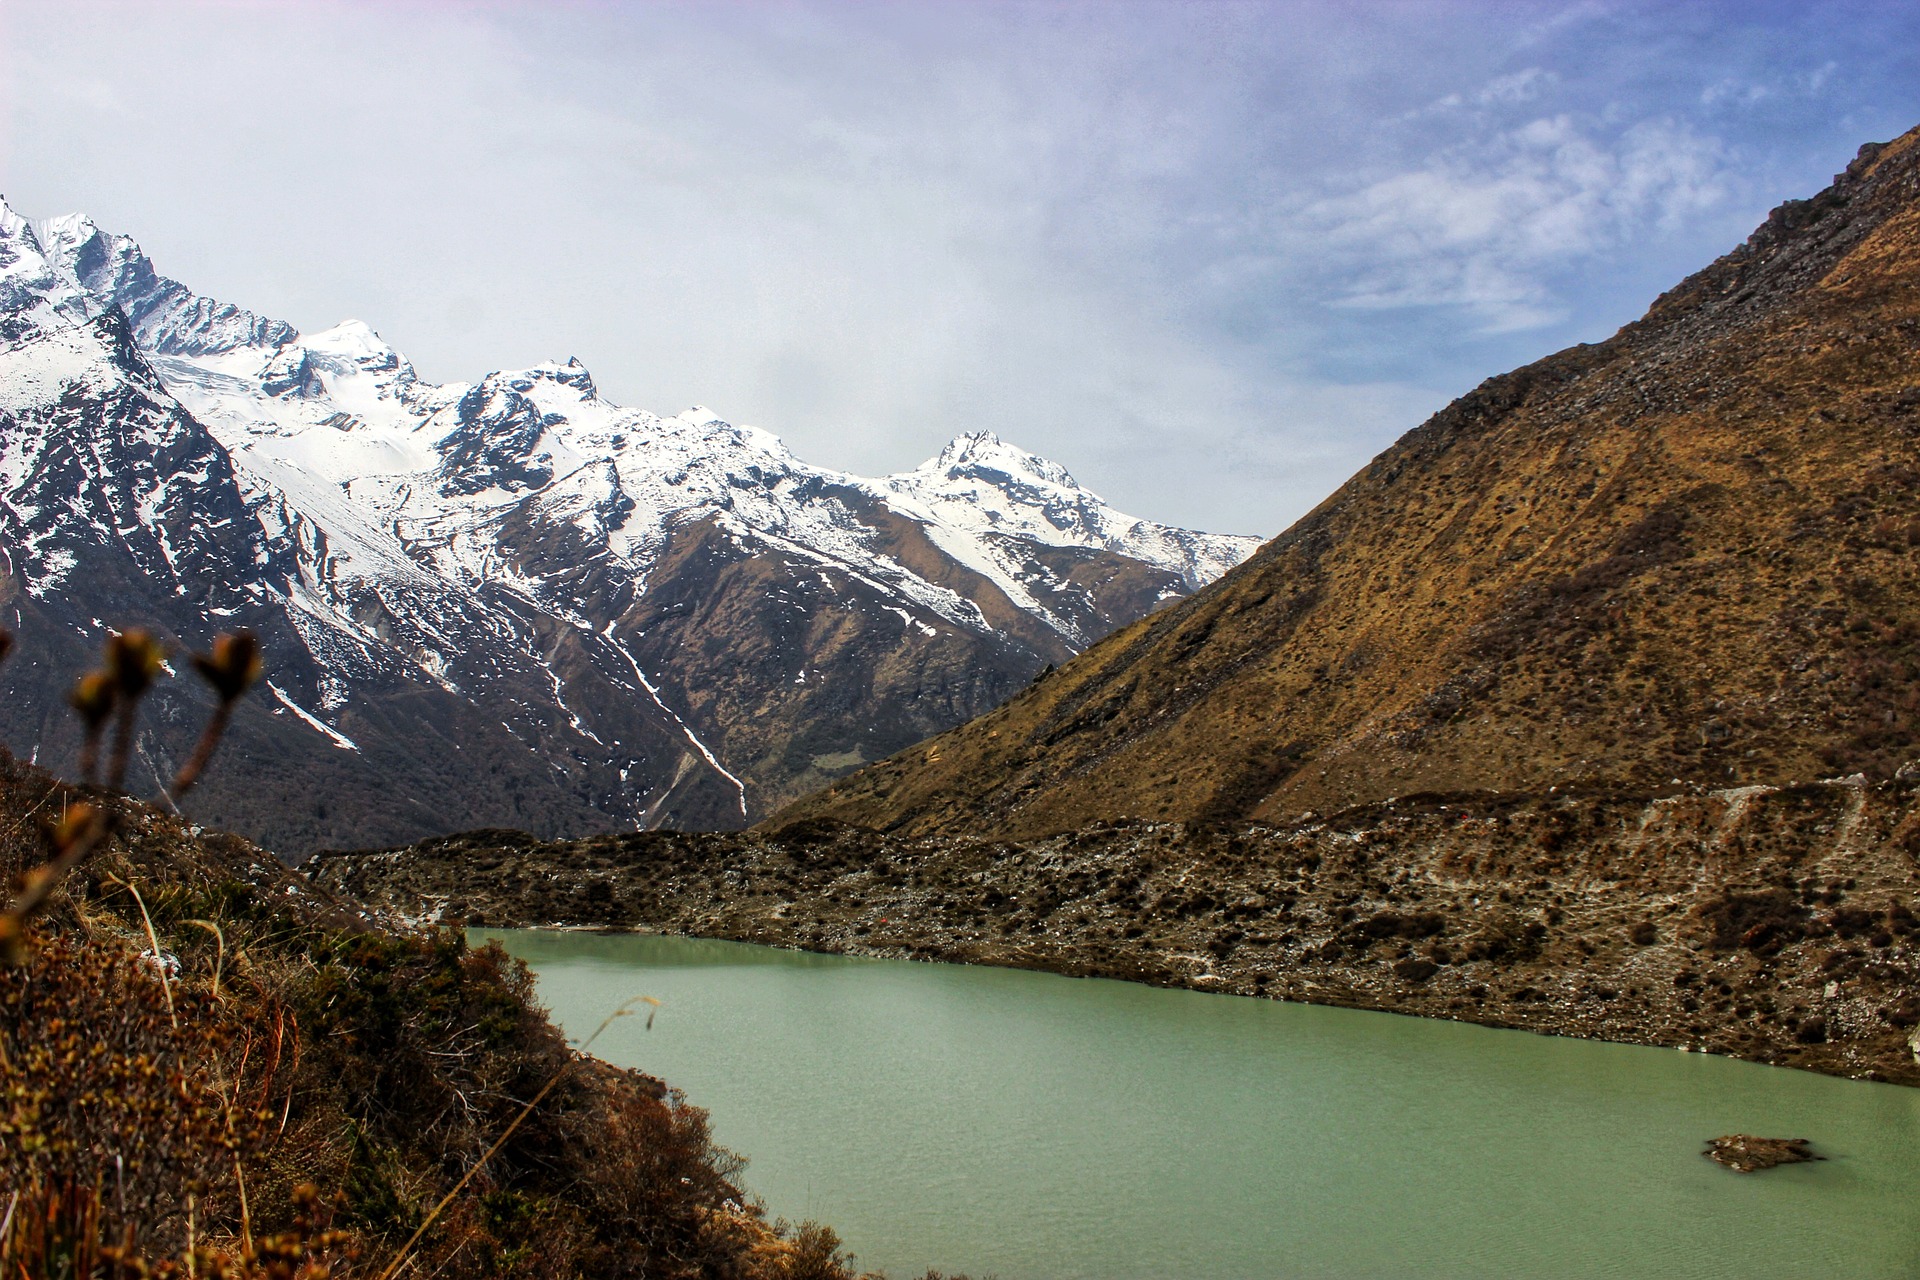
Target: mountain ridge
[[1591, 707], [497, 572]]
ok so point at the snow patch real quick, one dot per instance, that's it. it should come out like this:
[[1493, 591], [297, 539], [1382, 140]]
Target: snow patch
[[340, 740]]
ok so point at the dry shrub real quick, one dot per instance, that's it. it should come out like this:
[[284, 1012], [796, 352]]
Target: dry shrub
[[379, 1066], [56, 1231], [1761, 922], [426, 1049], [101, 1087], [154, 1125]]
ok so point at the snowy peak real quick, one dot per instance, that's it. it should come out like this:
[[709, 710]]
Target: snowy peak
[[491, 439], [984, 456], [589, 498], [354, 344], [348, 409], [167, 317], [291, 372], [35, 295], [572, 376], [983, 485]]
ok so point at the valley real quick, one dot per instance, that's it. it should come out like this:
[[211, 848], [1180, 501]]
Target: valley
[[1590, 707], [477, 827]]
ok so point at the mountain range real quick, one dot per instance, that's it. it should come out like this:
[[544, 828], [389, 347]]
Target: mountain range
[[510, 601]]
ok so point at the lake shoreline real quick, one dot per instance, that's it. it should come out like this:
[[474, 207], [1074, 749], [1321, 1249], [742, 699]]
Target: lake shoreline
[[1075, 967], [1712, 922]]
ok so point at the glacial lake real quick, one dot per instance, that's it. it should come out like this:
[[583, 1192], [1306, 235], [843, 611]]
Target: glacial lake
[[1028, 1126]]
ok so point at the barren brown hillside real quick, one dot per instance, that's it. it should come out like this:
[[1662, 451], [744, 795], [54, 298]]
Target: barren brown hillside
[[1687, 552]]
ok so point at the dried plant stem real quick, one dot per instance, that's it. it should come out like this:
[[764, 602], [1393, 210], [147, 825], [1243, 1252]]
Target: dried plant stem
[[246, 1214], [448, 1260], [22, 819], [153, 939], [220, 955], [196, 764], [90, 757], [407, 1248], [123, 731], [133, 659], [43, 880]]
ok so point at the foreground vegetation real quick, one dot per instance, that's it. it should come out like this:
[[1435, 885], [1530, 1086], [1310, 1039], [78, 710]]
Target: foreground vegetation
[[209, 1069]]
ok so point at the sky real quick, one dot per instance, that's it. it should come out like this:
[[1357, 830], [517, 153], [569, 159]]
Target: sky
[[1211, 256]]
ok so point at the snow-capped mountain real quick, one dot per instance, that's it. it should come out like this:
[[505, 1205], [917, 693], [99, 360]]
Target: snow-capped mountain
[[508, 601]]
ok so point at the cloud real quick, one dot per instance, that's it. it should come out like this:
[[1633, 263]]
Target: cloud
[[1210, 256], [863, 232], [1489, 226], [1501, 91], [1742, 92], [1518, 87]]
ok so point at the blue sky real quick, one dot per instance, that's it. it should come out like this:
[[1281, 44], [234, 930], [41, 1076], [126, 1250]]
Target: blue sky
[[1211, 256]]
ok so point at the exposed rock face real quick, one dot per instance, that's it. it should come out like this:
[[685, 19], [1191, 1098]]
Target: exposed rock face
[[1775, 925], [1684, 554], [509, 601]]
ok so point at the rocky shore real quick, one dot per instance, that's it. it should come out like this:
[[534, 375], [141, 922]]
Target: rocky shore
[[1769, 923]]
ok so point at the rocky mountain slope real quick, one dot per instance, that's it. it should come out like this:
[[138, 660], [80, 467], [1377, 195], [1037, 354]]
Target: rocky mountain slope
[[1684, 556], [508, 601]]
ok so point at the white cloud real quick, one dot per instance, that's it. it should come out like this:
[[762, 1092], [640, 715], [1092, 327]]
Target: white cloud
[[1486, 227], [1777, 84], [1520, 86], [1209, 256], [1734, 92]]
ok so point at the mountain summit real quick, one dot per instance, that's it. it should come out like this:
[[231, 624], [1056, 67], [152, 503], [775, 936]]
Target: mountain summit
[[1682, 555], [508, 601]]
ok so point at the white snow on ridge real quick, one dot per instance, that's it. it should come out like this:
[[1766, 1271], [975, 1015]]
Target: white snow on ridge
[[392, 511], [35, 374], [980, 485], [405, 476]]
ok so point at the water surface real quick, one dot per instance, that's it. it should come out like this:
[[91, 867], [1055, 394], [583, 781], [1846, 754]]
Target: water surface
[[1026, 1125]]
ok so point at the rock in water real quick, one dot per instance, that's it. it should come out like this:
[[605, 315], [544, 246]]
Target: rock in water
[[1744, 1153]]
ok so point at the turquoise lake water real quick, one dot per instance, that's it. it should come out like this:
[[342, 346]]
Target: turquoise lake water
[[1024, 1125]]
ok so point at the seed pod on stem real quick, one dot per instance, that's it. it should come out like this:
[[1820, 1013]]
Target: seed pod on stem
[[93, 697], [134, 658], [230, 666], [75, 835]]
